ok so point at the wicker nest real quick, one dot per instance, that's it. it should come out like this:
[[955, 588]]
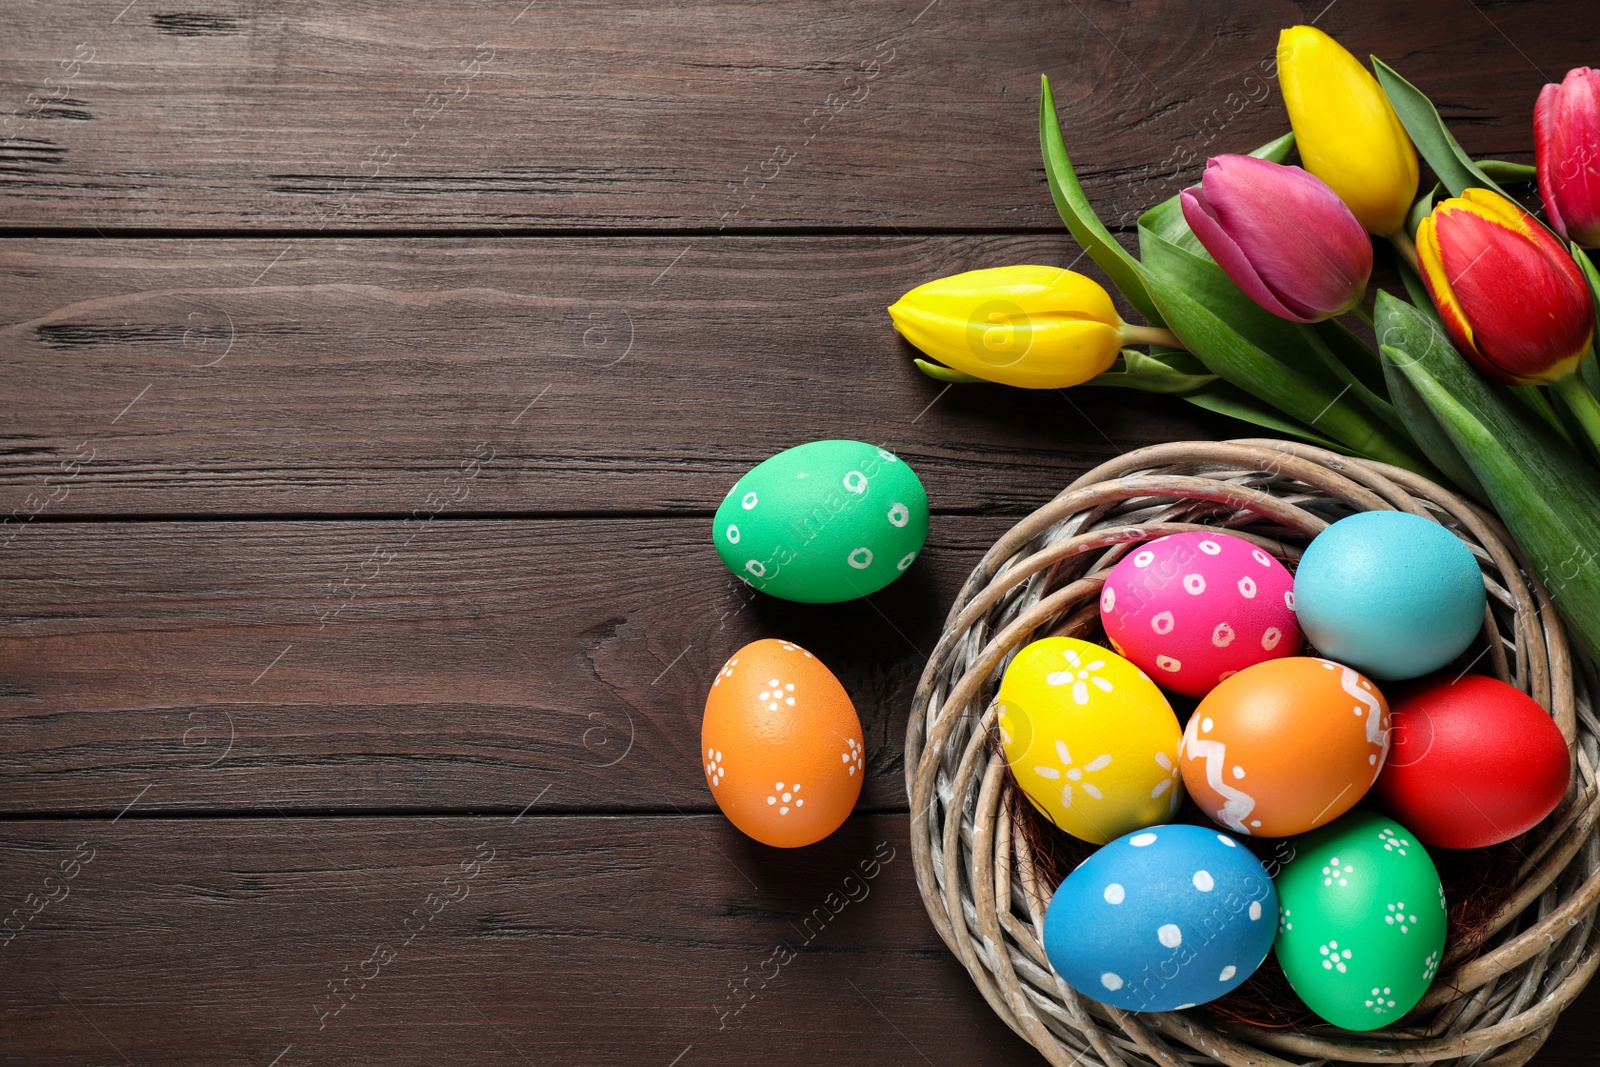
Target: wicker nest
[[1521, 939]]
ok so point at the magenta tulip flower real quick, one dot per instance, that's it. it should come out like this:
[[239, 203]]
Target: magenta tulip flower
[[1566, 138], [1282, 235]]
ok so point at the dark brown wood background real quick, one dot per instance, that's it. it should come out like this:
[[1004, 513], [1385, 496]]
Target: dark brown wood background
[[274, 275]]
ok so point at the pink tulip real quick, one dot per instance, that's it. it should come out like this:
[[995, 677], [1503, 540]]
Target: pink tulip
[[1282, 235], [1566, 138]]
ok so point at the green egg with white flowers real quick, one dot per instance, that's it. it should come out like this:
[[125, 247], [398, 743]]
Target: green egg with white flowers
[[823, 522], [1361, 921]]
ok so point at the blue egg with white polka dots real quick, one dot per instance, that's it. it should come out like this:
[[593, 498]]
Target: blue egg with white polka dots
[[1162, 919]]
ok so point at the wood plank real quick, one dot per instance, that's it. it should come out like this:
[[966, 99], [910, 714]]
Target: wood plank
[[657, 114], [615, 375], [387, 666], [572, 940]]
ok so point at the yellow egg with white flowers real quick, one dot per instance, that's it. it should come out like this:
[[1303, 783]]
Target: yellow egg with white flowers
[[1090, 738]]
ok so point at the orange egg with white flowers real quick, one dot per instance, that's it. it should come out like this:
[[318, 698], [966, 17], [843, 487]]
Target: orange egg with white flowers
[[1285, 746], [781, 745]]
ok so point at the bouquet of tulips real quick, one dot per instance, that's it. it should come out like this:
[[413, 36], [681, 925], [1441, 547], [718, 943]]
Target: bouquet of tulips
[[1483, 376]]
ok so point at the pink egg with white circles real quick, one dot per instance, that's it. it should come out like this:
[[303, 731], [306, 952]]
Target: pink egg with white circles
[[1192, 609]]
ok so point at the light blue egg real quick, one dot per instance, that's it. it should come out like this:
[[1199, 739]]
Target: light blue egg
[[1391, 594], [1161, 919]]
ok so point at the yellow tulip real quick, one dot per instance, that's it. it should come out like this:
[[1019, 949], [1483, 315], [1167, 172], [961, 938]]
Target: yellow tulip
[[1346, 130], [1031, 327]]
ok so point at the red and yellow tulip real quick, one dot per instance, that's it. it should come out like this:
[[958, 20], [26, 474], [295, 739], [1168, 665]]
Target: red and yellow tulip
[[1510, 295]]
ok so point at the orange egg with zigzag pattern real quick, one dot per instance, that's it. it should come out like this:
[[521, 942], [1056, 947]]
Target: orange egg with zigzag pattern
[[1285, 746]]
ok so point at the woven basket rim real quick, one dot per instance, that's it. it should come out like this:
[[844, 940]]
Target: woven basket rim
[[1495, 999]]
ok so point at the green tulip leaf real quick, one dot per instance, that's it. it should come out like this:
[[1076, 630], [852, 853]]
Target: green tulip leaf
[[1178, 359], [1565, 419], [940, 373], [1208, 319], [1322, 336], [1592, 273], [1078, 213], [1428, 132], [1591, 366], [1278, 150], [1429, 435], [1166, 221], [1591, 374], [1531, 396], [1209, 285], [1418, 293], [1501, 171], [1534, 399], [1230, 400], [1422, 209], [1153, 374], [1547, 496], [1424, 429], [1354, 353]]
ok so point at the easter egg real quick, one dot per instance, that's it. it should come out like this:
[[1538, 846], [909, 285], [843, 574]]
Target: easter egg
[[1285, 746], [1091, 740], [1192, 609], [1474, 762], [1160, 919], [823, 522], [1392, 594], [1362, 921], [782, 747]]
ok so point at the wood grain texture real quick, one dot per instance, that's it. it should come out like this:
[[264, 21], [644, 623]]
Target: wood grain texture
[[657, 114], [577, 940], [430, 321], [356, 376], [445, 665], [582, 941]]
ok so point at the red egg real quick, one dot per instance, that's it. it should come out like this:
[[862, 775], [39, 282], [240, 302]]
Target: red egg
[[1472, 762]]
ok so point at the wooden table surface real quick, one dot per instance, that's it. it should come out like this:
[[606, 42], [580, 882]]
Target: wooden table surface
[[369, 374]]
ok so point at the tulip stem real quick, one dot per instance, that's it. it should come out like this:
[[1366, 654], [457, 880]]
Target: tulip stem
[[1150, 335], [1362, 309], [1581, 403], [1405, 246]]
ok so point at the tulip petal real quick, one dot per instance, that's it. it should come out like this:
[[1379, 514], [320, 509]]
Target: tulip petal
[[1304, 242], [1530, 313], [1551, 144], [1029, 326], [1444, 298], [1230, 257], [1283, 236], [1347, 132], [1566, 130]]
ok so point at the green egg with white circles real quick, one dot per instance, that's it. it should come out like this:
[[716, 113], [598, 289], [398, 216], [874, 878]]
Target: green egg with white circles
[[823, 522], [1361, 921]]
